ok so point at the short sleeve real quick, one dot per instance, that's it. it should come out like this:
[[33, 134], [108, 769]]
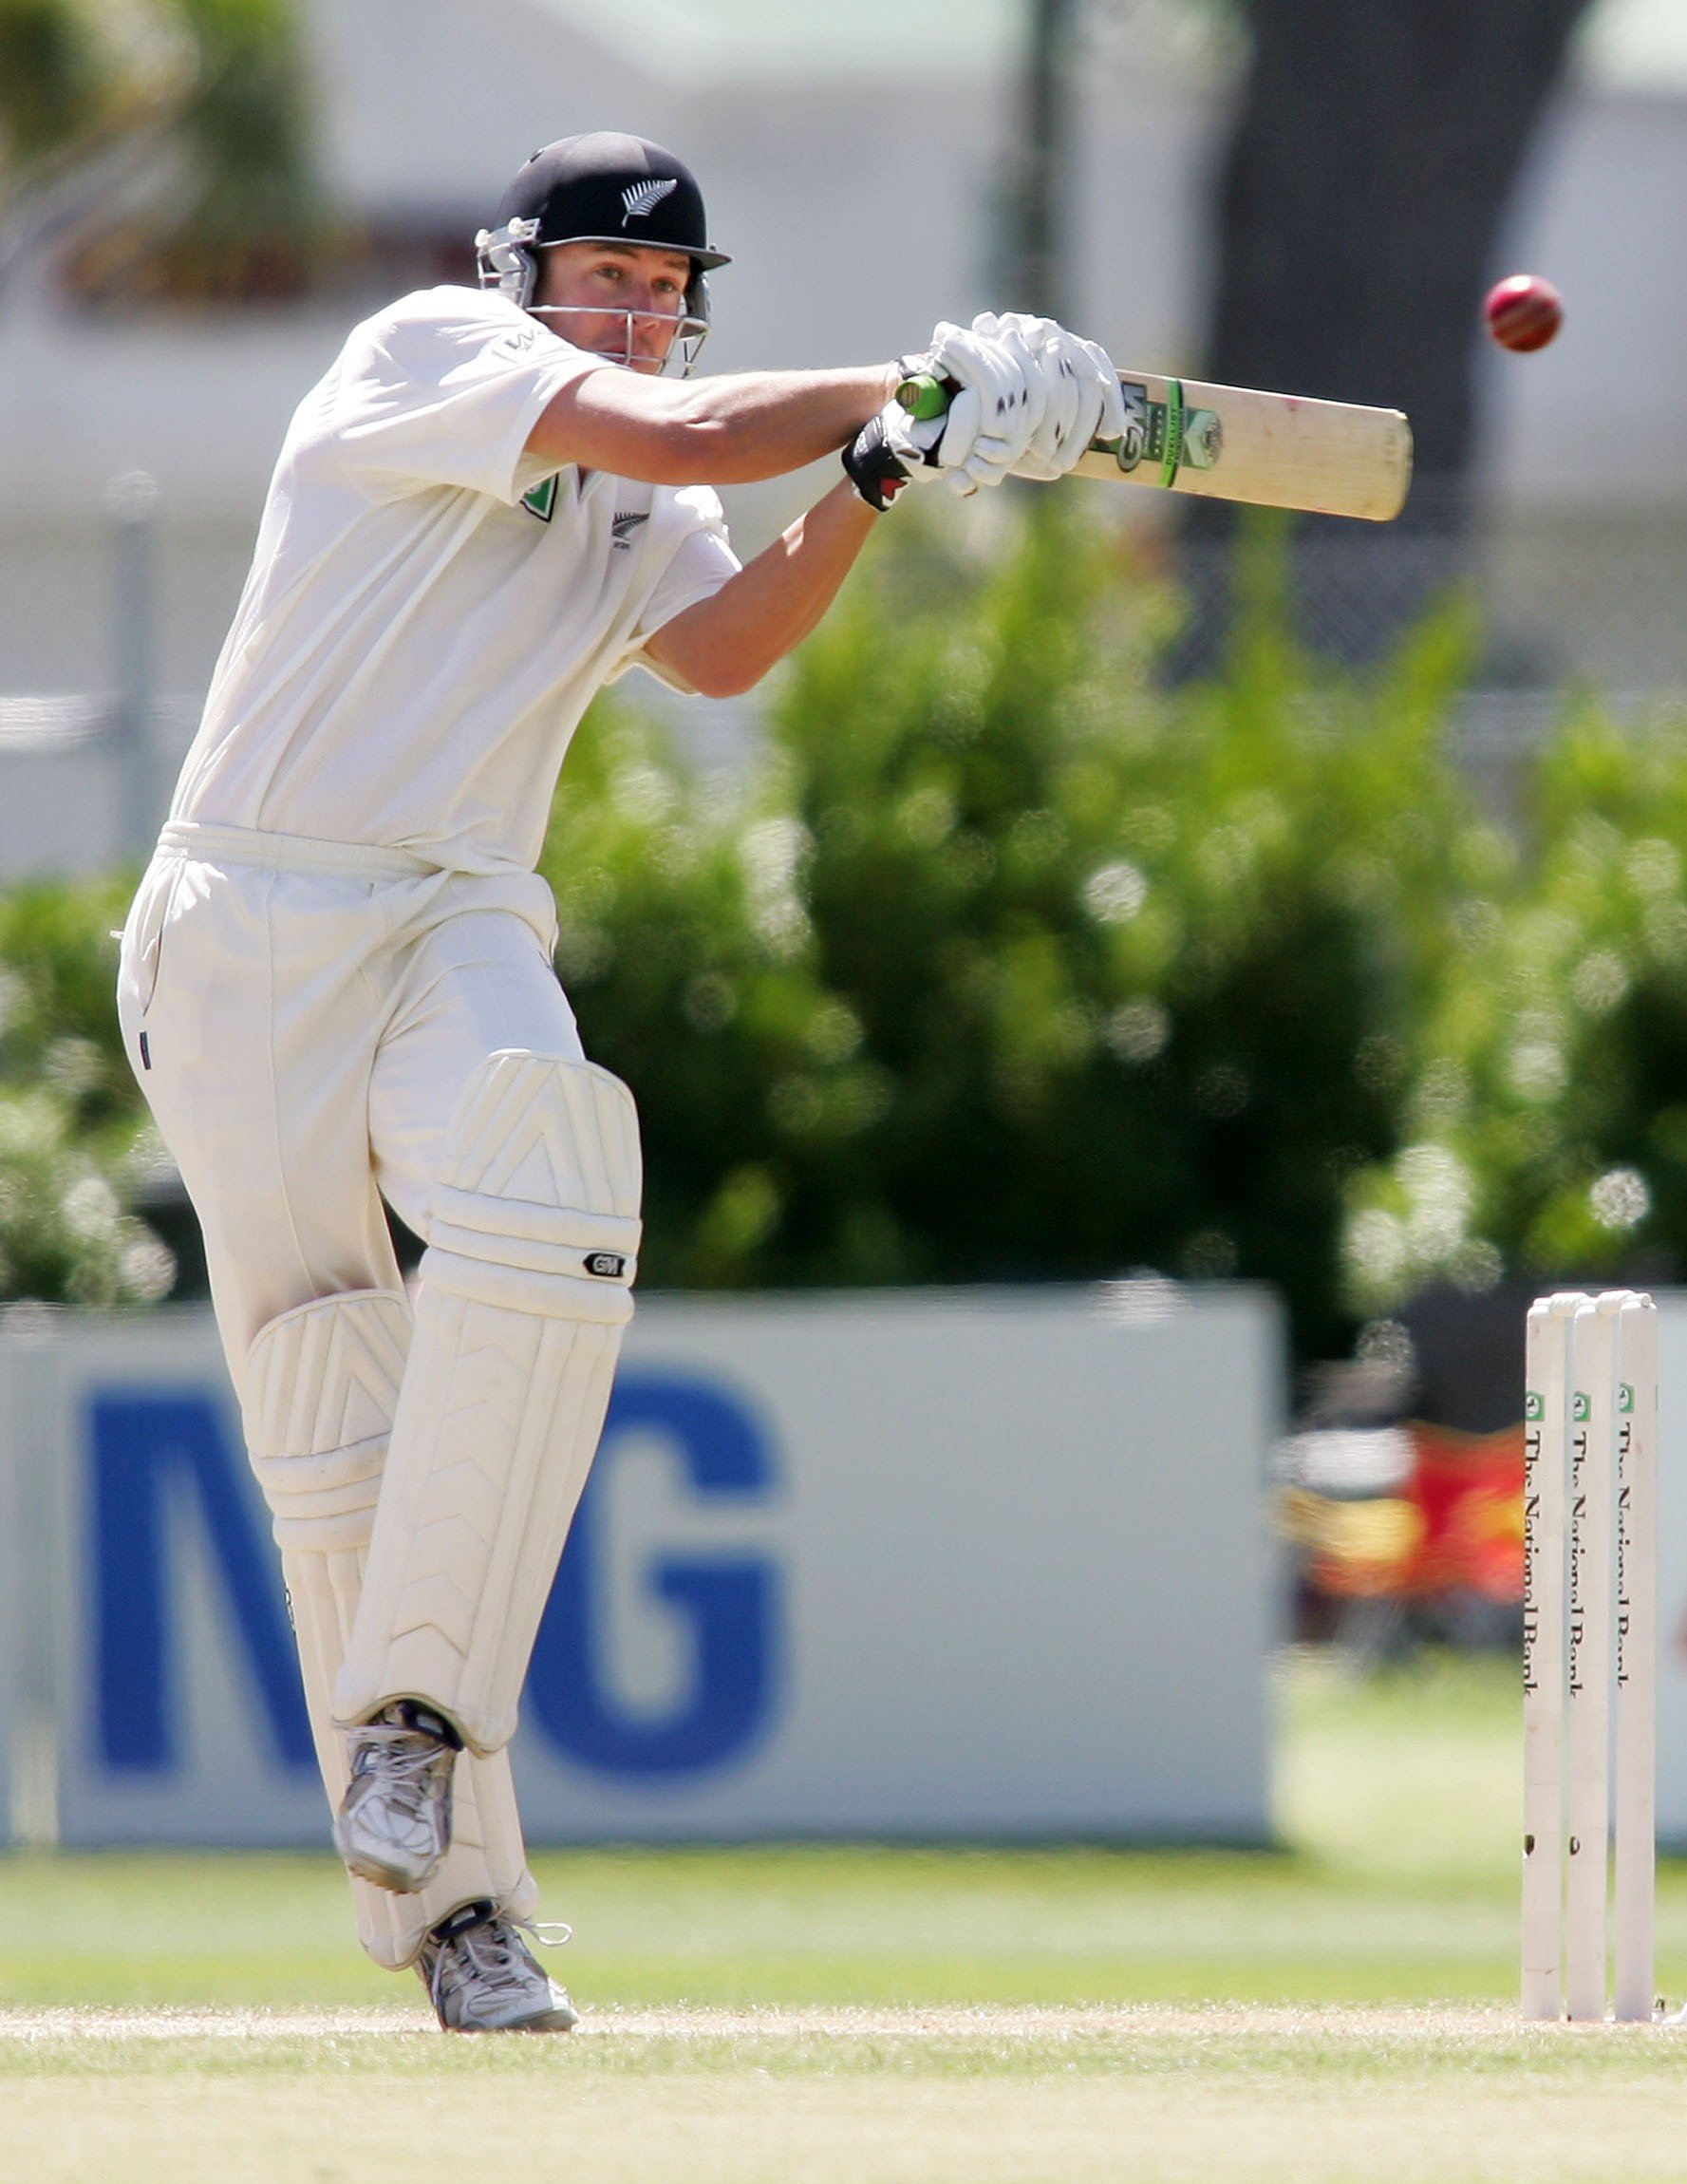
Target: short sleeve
[[444, 389], [700, 566], [702, 562]]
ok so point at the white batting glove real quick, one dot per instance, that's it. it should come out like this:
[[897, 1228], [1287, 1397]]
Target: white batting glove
[[1082, 399], [1003, 394]]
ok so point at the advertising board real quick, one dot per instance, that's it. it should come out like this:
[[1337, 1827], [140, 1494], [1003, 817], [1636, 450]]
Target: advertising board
[[980, 1564]]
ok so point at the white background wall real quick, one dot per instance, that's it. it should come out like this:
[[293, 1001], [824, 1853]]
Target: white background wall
[[858, 210]]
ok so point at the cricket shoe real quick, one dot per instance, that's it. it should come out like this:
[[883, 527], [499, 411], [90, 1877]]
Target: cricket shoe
[[394, 1823], [480, 1976]]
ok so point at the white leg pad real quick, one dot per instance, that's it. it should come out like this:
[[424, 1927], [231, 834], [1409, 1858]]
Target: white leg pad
[[320, 1385], [321, 1388], [525, 1289]]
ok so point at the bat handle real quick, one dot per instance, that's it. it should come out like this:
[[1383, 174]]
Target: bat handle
[[922, 396]]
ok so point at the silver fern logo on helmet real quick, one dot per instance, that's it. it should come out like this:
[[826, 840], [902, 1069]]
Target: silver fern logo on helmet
[[642, 199]]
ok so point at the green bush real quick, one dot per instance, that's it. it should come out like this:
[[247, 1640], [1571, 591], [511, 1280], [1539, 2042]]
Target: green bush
[[1546, 1117], [1005, 963], [74, 1143], [1012, 967]]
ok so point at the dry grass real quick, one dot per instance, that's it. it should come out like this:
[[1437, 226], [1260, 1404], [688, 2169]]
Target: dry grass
[[836, 2015], [940, 2096]]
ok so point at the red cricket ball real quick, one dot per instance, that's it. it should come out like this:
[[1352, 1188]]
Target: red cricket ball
[[1523, 311]]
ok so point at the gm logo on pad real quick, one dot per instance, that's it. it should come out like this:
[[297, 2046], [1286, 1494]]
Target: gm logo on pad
[[610, 1263]]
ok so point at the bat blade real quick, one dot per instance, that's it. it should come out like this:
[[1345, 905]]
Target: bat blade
[[1272, 450]]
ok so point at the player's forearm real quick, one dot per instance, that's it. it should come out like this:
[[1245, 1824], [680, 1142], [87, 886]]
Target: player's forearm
[[762, 424], [725, 643], [733, 430]]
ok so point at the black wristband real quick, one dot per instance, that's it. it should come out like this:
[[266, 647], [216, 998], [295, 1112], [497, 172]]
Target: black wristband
[[874, 468]]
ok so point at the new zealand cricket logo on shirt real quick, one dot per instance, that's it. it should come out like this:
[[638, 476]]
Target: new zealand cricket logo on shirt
[[542, 502]]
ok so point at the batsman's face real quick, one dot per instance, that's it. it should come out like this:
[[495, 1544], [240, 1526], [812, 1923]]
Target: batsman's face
[[623, 301]]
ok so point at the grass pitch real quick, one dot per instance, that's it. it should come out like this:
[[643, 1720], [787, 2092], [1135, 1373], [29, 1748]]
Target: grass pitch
[[1337, 2009]]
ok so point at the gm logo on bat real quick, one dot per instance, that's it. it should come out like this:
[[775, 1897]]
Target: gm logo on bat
[[1133, 442], [166, 1487], [1166, 432]]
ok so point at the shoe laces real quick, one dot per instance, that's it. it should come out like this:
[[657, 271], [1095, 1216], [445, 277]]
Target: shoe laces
[[493, 1952], [406, 1759]]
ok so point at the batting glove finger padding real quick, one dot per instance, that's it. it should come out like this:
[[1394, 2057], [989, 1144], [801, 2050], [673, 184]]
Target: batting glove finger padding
[[1083, 400], [1111, 424], [1009, 404], [1067, 422], [1000, 405]]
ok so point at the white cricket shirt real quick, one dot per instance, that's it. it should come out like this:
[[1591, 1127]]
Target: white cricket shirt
[[430, 611]]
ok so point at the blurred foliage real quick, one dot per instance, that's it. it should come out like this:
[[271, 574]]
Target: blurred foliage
[[1546, 1116], [1013, 968], [1006, 962], [176, 137], [74, 1146]]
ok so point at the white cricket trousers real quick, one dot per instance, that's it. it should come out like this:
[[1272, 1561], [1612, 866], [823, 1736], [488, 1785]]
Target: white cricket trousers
[[303, 1018]]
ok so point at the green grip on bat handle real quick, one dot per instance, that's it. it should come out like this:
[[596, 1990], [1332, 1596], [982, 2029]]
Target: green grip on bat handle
[[924, 397]]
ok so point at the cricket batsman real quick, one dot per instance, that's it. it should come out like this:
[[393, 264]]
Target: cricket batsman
[[336, 984]]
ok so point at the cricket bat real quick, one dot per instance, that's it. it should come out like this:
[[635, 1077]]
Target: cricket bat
[[1233, 443]]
